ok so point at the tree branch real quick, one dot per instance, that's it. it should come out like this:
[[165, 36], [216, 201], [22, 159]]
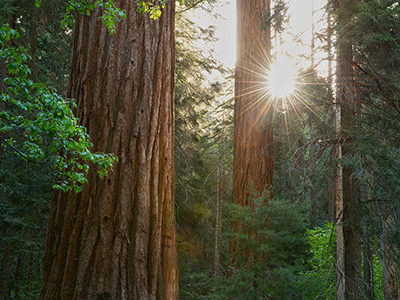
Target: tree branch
[[190, 7], [15, 149]]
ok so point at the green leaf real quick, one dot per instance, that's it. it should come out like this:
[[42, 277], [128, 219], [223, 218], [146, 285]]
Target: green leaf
[[45, 122]]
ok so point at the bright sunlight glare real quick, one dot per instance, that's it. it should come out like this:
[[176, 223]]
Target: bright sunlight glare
[[282, 79]]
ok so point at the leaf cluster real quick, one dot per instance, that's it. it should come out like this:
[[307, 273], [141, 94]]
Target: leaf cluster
[[110, 13], [36, 121]]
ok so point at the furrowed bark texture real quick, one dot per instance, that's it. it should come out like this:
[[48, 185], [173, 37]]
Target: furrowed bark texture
[[253, 136], [116, 239]]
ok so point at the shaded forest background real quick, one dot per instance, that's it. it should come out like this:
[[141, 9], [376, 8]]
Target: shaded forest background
[[294, 256]]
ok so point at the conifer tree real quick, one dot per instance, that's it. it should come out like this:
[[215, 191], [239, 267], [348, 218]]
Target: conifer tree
[[346, 97], [116, 239], [253, 137]]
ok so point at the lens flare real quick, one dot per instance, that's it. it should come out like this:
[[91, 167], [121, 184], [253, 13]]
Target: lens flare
[[282, 79]]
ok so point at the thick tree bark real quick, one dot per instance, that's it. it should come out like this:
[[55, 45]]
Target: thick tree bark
[[116, 239], [253, 140], [253, 159]]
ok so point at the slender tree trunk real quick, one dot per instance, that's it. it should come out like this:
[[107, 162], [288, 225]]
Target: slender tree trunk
[[389, 261], [347, 99], [312, 34], [218, 222], [341, 283], [339, 214], [352, 237], [16, 282], [314, 207], [313, 192], [367, 264], [116, 239], [367, 253], [30, 273], [333, 191], [253, 148]]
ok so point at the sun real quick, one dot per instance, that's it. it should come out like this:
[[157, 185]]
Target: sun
[[281, 79]]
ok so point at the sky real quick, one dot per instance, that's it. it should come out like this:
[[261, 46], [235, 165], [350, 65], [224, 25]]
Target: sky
[[300, 21]]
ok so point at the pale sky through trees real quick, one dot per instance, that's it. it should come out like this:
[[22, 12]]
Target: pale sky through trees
[[300, 23]]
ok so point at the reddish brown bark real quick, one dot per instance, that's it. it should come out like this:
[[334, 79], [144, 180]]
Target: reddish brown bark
[[116, 239], [253, 137]]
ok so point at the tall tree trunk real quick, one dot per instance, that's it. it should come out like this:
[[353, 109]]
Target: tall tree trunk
[[313, 192], [367, 263], [312, 34], [253, 148], [218, 221], [389, 262], [340, 276], [347, 100], [332, 183], [339, 213], [29, 282], [367, 253], [116, 239], [314, 207], [352, 237], [16, 282], [253, 160]]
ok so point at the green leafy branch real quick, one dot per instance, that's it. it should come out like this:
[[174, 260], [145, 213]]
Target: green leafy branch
[[111, 14], [153, 8], [44, 121]]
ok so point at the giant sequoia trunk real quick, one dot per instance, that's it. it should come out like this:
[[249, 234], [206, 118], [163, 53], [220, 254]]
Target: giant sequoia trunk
[[253, 149], [116, 239]]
